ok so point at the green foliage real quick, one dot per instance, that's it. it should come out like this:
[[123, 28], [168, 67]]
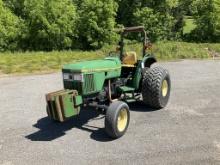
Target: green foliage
[[157, 25], [16, 6], [216, 13], [163, 19], [89, 24], [186, 7], [96, 23], [126, 8], [10, 29], [51, 24], [207, 18]]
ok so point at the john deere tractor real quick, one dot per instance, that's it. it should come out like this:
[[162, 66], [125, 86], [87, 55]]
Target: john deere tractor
[[110, 84]]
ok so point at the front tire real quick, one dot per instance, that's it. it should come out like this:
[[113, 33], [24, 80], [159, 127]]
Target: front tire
[[117, 119], [156, 87]]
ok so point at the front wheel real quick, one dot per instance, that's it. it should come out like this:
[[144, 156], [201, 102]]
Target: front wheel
[[156, 87], [117, 119]]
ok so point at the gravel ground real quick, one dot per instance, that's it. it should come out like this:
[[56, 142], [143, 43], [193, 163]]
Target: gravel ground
[[187, 131]]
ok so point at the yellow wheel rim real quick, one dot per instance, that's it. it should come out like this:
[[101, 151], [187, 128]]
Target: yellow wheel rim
[[122, 120], [165, 88]]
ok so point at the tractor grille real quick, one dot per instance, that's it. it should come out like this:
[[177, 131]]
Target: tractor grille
[[73, 85], [89, 85], [84, 87]]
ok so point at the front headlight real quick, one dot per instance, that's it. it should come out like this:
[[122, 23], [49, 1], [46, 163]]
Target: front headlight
[[78, 77], [66, 76], [72, 77]]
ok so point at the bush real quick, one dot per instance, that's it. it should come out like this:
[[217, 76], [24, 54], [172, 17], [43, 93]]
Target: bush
[[16, 6], [10, 29], [207, 18], [158, 26], [51, 24], [96, 23]]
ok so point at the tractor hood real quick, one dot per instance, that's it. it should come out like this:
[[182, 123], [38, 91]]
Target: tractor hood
[[110, 63]]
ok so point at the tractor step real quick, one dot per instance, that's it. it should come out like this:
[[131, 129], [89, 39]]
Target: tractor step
[[128, 94], [130, 100], [126, 89]]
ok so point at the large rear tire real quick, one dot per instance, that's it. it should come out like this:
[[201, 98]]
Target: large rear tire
[[117, 119], [156, 87]]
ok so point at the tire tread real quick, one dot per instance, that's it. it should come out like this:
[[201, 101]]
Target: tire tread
[[151, 86]]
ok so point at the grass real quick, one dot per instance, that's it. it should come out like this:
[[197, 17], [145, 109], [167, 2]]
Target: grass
[[42, 62], [189, 25], [36, 62], [183, 50]]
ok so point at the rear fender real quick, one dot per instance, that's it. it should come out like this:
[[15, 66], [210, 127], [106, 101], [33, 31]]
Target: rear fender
[[145, 63], [148, 61]]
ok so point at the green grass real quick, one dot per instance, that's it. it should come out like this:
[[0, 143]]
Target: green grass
[[43, 62], [189, 25], [36, 62], [183, 50]]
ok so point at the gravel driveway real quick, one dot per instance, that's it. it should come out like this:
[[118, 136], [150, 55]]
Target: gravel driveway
[[187, 131]]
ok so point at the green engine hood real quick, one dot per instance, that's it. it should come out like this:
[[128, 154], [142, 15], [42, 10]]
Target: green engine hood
[[110, 63]]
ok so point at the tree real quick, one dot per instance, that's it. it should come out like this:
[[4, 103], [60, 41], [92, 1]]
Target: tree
[[96, 23], [16, 6], [163, 19], [158, 26], [207, 18], [216, 13], [10, 29], [51, 24], [126, 9]]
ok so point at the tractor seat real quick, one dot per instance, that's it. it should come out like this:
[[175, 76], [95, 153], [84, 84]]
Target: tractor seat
[[130, 59]]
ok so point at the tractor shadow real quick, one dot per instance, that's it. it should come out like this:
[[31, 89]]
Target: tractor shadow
[[50, 130], [141, 107]]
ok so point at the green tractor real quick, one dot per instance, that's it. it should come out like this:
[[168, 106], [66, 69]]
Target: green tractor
[[110, 84]]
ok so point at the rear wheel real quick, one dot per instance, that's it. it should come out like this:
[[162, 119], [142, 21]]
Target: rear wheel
[[156, 87], [117, 119]]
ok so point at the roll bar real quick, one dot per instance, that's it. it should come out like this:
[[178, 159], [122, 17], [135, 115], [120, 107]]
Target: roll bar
[[134, 29], [139, 29]]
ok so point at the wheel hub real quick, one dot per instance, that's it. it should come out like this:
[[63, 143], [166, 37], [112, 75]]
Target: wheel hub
[[165, 88], [122, 120]]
